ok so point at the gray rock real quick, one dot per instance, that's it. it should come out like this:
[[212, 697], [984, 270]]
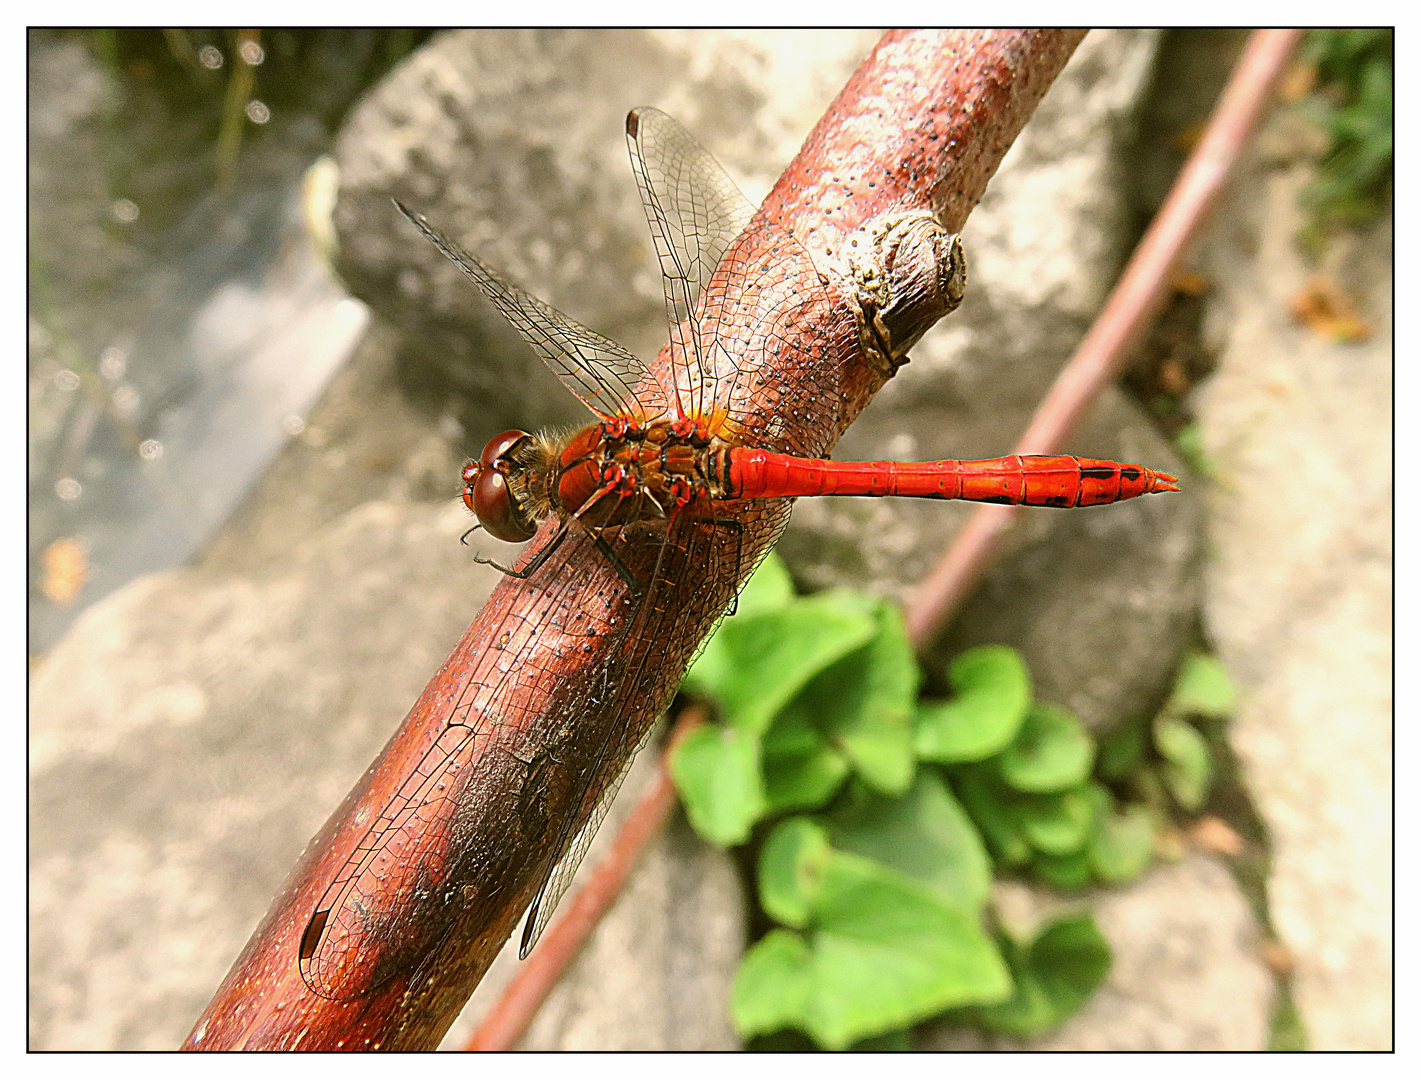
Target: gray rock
[[1299, 589], [190, 733], [1185, 975]]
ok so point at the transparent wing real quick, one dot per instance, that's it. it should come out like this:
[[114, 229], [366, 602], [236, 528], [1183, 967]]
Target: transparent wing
[[565, 869], [695, 212], [608, 378], [764, 322]]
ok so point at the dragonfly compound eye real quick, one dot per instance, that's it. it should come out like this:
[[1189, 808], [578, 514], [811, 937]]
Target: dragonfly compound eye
[[499, 447], [497, 509]]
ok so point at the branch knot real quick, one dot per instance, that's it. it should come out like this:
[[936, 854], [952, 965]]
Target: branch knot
[[908, 272]]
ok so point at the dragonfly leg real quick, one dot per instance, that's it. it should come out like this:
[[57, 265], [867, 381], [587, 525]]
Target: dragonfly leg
[[538, 559], [602, 545], [617, 564]]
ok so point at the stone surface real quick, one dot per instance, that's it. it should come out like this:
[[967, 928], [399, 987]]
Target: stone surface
[[1299, 586], [1185, 973], [190, 733]]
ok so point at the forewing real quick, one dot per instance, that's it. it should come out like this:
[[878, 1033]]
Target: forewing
[[608, 378], [695, 212]]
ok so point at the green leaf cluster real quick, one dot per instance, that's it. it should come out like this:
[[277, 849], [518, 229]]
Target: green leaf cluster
[[1353, 105], [899, 811], [1168, 760]]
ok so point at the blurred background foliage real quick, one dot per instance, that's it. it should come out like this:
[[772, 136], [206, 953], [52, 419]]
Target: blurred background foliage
[[1350, 99]]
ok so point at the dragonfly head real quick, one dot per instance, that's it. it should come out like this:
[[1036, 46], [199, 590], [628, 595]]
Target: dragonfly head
[[488, 494]]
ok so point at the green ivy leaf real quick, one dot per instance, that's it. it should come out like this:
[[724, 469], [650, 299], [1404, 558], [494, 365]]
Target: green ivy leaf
[[769, 589], [774, 984], [884, 952], [717, 772], [1054, 976], [892, 1042], [1188, 769], [766, 658], [1123, 842], [801, 769], [1121, 751], [1059, 823], [864, 703], [1070, 959], [1202, 688], [1052, 751], [994, 693], [991, 808], [1069, 873], [1026, 1012], [924, 833], [792, 866]]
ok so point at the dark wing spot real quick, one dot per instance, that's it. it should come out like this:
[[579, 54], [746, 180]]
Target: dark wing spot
[[312, 937]]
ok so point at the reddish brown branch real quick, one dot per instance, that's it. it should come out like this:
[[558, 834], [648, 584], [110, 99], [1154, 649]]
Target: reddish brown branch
[[1128, 311], [922, 125]]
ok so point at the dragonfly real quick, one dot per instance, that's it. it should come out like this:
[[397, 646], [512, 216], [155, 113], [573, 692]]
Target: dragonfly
[[675, 455]]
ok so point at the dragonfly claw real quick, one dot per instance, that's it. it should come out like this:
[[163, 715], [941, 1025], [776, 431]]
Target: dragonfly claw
[[497, 566]]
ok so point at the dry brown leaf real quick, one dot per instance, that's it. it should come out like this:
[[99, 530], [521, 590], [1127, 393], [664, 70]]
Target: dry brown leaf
[[1190, 283], [1328, 312], [1214, 835], [1187, 137], [1278, 957], [64, 569]]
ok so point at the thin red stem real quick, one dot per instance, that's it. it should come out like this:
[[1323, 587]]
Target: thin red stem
[[1128, 311]]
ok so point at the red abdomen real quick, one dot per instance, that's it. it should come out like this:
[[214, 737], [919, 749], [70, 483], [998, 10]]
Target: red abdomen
[[1034, 480]]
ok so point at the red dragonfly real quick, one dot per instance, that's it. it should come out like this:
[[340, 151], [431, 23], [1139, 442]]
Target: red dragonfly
[[668, 449]]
